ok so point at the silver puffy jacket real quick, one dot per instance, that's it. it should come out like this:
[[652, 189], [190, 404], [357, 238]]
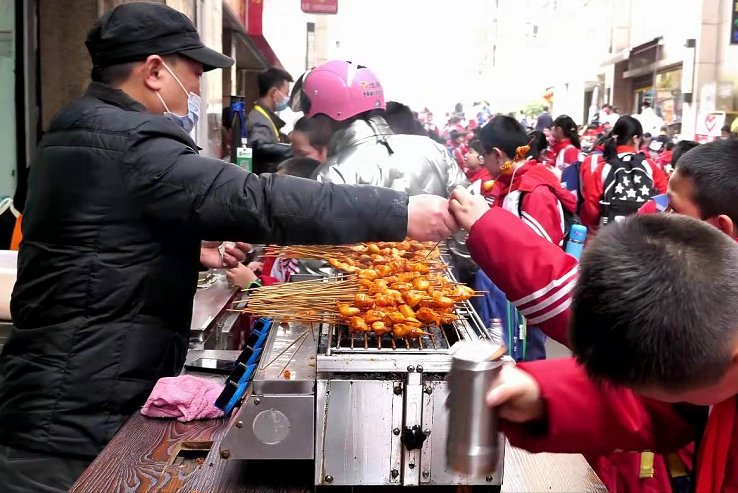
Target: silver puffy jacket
[[367, 153]]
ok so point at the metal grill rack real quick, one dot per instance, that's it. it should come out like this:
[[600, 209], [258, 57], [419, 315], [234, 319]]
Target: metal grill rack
[[369, 410], [344, 341], [341, 341], [341, 351]]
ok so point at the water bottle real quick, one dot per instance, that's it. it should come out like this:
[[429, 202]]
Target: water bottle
[[575, 245], [473, 443], [495, 331]]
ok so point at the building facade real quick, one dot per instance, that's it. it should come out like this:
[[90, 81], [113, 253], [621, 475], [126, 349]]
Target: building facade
[[681, 56], [44, 62]]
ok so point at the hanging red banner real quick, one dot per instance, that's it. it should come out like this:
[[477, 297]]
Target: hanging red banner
[[254, 15], [320, 6]]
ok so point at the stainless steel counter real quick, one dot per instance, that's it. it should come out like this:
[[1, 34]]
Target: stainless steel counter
[[194, 354], [210, 300], [211, 321]]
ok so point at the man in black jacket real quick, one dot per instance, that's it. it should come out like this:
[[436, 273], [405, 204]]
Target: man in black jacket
[[119, 201], [263, 126]]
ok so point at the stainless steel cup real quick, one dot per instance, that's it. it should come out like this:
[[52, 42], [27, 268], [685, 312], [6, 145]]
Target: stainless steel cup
[[472, 445]]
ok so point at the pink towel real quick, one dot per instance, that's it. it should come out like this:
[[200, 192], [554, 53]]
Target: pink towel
[[184, 397]]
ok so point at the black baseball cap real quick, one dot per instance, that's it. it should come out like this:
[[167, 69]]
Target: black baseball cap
[[133, 31]]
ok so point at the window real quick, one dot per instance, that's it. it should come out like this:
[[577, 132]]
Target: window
[[7, 99]]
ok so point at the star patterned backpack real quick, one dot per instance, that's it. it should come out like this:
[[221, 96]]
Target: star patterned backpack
[[627, 186]]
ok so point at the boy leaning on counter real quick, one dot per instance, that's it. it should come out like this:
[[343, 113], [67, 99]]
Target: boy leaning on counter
[[654, 330], [654, 326]]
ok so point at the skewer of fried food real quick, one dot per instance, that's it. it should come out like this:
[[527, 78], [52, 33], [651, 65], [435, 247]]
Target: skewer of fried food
[[300, 251], [434, 248]]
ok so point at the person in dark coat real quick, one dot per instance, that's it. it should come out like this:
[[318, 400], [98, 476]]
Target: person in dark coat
[[119, 202], [263, 126], [544, 120]]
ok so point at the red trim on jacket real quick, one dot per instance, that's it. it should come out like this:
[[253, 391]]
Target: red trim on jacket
[[480, 174], [539, 279], [543, 193], [571, 153]]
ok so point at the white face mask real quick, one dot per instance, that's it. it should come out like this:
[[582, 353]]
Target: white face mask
[[188, 121]]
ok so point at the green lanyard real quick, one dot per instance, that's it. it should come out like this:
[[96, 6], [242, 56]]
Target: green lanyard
[[513, 327]]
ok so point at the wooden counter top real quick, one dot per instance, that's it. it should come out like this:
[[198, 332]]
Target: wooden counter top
[[146, 457], [139, 459]]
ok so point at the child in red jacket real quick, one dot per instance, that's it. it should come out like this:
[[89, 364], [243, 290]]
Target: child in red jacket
[[597, 175], [532, 192], [664, 158], [543, 277], [474, 167], [524, 187], [566, 148], [655, 328], [457, 147]]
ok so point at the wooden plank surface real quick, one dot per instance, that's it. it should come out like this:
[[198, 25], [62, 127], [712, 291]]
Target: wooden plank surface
[[553, 473], [140, 459]]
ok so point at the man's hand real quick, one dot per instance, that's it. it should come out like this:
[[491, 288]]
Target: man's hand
[[429, 219], [217, 255], [467, 208], [517, 396]]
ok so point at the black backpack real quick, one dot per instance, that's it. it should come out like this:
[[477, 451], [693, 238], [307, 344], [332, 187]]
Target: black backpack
[[627, 187]]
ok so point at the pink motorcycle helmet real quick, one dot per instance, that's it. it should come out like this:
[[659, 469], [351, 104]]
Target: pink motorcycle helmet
[[337, 89]]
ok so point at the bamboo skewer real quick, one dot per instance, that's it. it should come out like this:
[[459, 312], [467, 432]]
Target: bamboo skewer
[[341, 251], [298, 338], [317, 300], [294, 353]]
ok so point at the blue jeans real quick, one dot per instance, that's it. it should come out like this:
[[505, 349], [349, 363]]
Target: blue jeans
[[494, 304]]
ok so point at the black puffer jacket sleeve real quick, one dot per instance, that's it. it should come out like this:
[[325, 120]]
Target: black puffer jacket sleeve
[[175, 187], [269, 151]]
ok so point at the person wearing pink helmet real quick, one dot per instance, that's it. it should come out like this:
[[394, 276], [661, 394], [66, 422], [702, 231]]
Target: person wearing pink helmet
[[363, 149], [120, 202]]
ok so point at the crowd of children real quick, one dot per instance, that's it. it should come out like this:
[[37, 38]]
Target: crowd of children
[[650, 395]]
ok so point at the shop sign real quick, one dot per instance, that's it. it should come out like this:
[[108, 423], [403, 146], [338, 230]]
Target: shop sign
[[320, 6], [709, 126]]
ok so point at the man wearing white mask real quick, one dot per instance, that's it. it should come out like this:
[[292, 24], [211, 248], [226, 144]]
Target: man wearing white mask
[[263, 125], [118, 203]]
